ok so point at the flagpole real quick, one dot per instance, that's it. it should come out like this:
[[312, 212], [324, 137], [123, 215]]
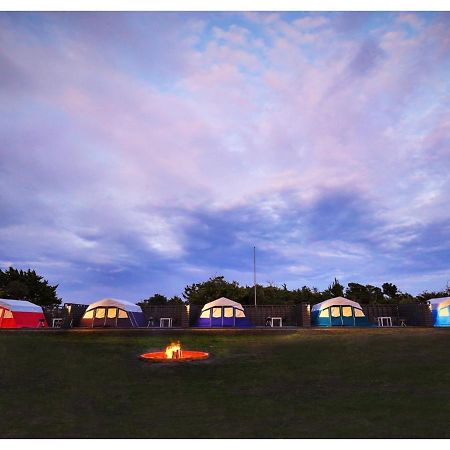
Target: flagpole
[[254, 270]]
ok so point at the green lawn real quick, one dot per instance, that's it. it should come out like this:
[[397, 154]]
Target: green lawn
[[372, 383]]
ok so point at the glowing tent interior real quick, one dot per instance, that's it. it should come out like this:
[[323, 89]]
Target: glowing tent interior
[[338, 311], [440, 311], [111, 312], [21, 314], [223, 312]]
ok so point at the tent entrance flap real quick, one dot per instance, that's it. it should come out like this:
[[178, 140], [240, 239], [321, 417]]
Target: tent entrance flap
[[216, 317], [347, 316], [335, 315], [228, 316]]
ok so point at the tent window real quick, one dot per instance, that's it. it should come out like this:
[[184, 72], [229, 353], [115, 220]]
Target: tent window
[[228, 312], [325, 312], [7, 314], [335, 311], [205, 314], [443, 312], [100, 313], [112, 313], [347, 311], [240, 313], [358, 313], [1, 312], [122, 314], [217, 312], [89, 314]]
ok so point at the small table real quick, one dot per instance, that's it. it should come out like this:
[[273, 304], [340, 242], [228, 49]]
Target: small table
[[165, 322], [273, 320], [57, 323], [384, 321]]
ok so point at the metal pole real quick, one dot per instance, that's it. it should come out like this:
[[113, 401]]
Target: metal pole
[[254, 270]]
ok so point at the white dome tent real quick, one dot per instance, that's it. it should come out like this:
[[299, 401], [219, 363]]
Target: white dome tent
[[223, 312], [338, 311], [111, 312]]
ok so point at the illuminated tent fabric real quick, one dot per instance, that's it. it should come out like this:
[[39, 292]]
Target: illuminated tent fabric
[[338, 311], [223, 312], [21, 314], [111, 312], [440, 311]]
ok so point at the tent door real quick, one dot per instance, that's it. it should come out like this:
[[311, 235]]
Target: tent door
[[335, 316], [110, 317], [99, 318], [216, 316], [348, 319], [228, 316]]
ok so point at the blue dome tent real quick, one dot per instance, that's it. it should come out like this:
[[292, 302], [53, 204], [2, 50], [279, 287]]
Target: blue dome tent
[[440, 311], [340, 312], [223, 312]]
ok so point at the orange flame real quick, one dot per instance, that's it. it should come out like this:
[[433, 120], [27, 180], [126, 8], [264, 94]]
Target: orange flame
[[173, 350]]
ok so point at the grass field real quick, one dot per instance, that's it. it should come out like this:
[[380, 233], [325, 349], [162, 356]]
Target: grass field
[[377, 383]]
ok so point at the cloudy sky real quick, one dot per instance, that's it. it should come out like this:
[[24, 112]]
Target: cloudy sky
[[141, 152]]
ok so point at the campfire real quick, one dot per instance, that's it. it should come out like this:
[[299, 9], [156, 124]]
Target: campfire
[[173, 350], [173, 353]]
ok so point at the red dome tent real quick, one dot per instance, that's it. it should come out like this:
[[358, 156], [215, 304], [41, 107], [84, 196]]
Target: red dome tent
[[21, 314]]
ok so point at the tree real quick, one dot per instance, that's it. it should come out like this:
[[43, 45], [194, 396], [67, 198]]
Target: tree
[[404, 297], [364, 294], [156, 299], [375, 294], [214, 287], [175, 300], [357, 292], [308, 295], [335, 289], [27, 285], [390, 290]]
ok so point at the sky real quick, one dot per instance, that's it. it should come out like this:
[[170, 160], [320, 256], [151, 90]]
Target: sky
[[141, 152]]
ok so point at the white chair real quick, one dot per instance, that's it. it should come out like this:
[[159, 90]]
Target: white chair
[[276, 320], [385, 321], [165, 322], [57, 323]]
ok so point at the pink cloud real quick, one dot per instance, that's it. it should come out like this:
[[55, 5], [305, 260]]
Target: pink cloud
[[311, 22], [235, 35]]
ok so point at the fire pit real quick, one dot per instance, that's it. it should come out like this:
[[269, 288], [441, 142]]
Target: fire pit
[[173, 353]]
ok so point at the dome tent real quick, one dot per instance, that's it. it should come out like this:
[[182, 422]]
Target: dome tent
[[440, 311], [338, 311], [111, 312], [223, 312], [21, 314]]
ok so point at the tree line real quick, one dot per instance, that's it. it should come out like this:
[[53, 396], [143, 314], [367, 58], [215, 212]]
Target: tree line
[[28, 285], [216, 287]]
